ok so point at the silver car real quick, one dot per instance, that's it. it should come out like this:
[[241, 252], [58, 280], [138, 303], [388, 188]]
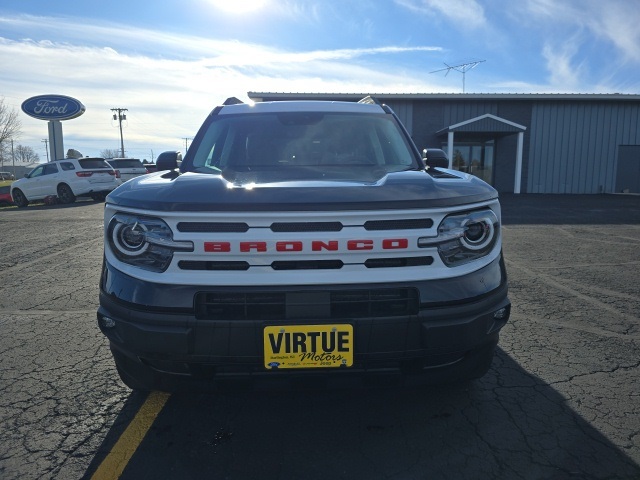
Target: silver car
[[127, 168]]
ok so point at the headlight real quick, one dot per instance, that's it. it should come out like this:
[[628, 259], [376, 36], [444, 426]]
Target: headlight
[[144, 242], [464, 238]]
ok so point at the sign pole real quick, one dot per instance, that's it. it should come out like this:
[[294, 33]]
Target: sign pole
[[56, 142]]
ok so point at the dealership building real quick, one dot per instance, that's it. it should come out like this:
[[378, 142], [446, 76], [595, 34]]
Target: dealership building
[[522, 143]]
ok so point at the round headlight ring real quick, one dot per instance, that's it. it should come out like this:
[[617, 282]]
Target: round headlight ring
[[130, 239], [478, 233]]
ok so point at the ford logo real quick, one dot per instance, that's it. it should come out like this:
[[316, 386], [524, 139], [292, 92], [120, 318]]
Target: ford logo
[[53, 107]]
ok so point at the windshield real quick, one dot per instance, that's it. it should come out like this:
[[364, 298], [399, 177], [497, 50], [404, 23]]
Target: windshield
[[307, 145], [126, 163], [92, 163]]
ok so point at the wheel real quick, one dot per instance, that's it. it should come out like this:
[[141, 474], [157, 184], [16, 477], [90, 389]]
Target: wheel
[[19, 199], [65, 194]]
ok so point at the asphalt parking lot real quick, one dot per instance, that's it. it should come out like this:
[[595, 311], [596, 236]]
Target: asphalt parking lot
[[562, 399]]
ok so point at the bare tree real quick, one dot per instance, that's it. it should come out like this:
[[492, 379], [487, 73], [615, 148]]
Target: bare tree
[[9, 126], [26, 154], [110, 153]]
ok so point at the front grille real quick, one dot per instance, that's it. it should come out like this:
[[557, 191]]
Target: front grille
[[381, 302], [398, 262], [293, 227], [213, 227], [402, 224], [307, 265], [342, 304], [283, 265], [210, 265], [240, 306], [281, 227]]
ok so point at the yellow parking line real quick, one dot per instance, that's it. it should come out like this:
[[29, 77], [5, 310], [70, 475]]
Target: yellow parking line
[[114, 464]]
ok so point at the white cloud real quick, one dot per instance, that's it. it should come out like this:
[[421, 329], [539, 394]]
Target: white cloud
[[616, 21], [168, 95], [469, 13], [565, 75]]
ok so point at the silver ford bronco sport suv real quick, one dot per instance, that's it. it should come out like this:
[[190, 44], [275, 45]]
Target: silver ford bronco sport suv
[[301, 239]]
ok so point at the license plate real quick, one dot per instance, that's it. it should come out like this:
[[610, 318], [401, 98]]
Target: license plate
[[308, 346]]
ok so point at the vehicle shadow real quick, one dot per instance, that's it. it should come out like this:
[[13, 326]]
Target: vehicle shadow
[[604, 209], [39, 206], [510, 424]]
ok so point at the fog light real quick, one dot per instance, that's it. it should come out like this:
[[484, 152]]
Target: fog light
[[500, 314], [107, 322]]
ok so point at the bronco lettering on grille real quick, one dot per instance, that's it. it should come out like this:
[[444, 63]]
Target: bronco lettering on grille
[[299, 246]]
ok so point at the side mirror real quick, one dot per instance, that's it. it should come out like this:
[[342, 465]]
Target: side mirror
[[436, 162], [168, 161], [434, 157]]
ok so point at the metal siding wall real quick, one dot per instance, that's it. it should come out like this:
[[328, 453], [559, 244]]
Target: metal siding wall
[[616, 125], [561, 167], [596, 161], [404, 110], [460, 111], [573, 146], [581, 177]]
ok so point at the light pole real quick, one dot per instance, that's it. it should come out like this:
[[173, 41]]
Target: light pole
[[120, 116]]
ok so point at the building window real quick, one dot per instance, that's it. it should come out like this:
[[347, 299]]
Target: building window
[[475, 158]]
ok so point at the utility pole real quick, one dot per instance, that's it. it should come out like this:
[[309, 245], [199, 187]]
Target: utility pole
[[120, 115], [186, 145], [13, 156], [46, 147]]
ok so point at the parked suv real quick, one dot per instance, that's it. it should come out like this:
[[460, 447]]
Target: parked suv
[[301, 239], [128, 168], [66, 179], [6, 176]]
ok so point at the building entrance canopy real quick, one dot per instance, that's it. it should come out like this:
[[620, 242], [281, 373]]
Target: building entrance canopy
[[485, 125]]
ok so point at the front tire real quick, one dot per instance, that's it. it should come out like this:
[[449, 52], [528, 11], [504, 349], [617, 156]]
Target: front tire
[[19, 199], [65, 194]]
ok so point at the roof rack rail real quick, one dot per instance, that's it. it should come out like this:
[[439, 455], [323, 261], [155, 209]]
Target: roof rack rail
[[370, 100], [232, 101]]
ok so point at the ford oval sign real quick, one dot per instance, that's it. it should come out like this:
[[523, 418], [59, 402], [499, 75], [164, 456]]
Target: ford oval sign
[[53, 107]]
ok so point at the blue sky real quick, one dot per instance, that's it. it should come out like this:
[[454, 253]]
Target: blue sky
[[170, 62]]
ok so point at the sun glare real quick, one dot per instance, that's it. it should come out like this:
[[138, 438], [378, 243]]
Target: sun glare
[[239, 6]]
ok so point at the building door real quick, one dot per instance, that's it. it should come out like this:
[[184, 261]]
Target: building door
[[628, 176], [475, 158]]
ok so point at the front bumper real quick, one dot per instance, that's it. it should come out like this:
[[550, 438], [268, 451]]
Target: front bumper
[[162, 326]]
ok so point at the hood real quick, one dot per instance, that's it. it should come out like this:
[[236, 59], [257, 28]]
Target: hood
[[170, 191]]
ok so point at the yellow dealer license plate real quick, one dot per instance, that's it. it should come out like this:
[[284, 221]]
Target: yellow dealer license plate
[[308, 346]]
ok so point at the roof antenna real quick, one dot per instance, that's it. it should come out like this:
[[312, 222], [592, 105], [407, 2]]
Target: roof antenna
[[462, 68]]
